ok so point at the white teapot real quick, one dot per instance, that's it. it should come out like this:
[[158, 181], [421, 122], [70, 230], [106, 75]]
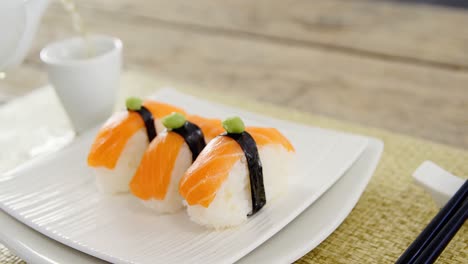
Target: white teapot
[[19, 20]]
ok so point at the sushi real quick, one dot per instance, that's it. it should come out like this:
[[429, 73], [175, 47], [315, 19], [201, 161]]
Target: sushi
[[120, 143], [156, 180], [236, 174], [166, 159], [211, 127]]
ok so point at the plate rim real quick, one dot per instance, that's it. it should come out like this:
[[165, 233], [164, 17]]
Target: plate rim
[[375, 145]]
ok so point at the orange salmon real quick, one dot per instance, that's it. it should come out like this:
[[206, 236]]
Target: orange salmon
[[119, 128], [211, 127], [202, 180], [153, 176]]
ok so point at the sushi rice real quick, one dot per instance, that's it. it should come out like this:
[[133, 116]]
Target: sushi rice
[[233, 200], [165, 161], [116, 180], [113, 181], [173, 201]]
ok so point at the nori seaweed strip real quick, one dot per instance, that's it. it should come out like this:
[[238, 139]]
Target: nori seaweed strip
[[149, 122], [254, 164], [193, 136]]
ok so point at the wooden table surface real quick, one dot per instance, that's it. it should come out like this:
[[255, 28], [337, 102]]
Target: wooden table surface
[[395, 66]]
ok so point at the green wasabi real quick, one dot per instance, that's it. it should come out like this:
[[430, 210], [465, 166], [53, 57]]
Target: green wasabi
[[234, 125], [174, 120], [134, 103]]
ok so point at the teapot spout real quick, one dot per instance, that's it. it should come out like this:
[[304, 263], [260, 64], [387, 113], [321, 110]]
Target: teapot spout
[[34, 10]]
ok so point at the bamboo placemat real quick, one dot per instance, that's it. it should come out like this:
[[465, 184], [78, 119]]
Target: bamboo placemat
[[391, 212], [7, 257]]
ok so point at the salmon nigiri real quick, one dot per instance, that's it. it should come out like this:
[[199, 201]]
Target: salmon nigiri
[[156, 180], [236, 174], [122, 140]]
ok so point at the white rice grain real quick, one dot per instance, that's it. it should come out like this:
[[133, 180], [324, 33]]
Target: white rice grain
[[233, 200]]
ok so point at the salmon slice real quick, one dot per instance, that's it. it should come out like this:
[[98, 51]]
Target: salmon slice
[[264, 136], [160, 110], [153, 176], [119, 128], [211, 127], [209, 171]]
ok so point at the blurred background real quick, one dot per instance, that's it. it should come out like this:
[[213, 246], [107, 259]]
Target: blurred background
[[398, 65], [453, 3]]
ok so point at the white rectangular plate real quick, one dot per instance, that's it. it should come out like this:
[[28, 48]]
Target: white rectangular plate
[[56, 195], [300, 236]]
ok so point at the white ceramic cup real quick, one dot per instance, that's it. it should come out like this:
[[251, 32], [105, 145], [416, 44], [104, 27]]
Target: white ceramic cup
[[87, 85]]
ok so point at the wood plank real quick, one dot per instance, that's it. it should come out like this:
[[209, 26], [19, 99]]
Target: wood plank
[[393, 31], [420, 101]]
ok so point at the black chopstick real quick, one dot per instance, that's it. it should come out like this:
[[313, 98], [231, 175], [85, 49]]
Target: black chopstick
[[438, 244], [435, 226]]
